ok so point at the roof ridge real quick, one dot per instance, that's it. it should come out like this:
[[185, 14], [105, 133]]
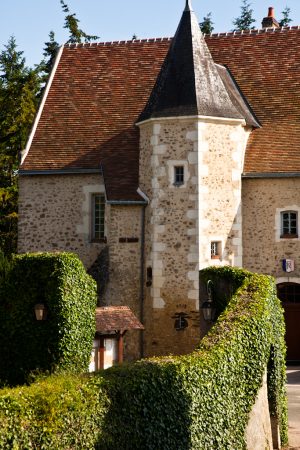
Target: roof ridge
[[253, 32], [168, 39], [106, 43]]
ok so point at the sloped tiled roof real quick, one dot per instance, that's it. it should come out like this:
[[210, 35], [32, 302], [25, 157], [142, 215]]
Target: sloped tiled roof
[[99, 91], [266, 66], [116, 318], [96, 96]]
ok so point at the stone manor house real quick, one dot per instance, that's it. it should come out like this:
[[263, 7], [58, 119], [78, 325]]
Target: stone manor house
[[152, 159]]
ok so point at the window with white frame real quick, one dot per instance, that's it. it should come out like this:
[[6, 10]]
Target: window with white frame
[[178, 175], [98, 217], [215, 249], [289, 224]]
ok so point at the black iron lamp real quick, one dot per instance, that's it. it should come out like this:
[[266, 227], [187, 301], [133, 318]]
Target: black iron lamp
[[40, 311], [208, 307]]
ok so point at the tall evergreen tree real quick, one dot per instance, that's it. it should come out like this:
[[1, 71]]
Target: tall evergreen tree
[[50, 51], [206, 25], [19, 87], [76, 35], [244, 22], [286, 20]]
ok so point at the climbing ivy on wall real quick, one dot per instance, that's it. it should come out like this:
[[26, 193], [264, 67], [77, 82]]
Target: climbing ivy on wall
[[64, 340]]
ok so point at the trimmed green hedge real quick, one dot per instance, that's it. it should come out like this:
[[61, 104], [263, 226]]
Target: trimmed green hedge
[[61, 412], [199, 401], [203, 400], [64, 340]]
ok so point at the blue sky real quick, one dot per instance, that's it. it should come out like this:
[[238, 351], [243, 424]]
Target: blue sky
[[31, 20]]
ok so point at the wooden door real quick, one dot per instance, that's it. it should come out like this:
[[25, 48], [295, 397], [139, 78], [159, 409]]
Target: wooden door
[[289, 294]]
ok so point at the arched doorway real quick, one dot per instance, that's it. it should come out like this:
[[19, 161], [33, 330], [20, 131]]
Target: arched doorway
[[289, 294]]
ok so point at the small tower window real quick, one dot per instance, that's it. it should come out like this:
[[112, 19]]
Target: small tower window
[[215, 250], [149, 276], [178, 175]]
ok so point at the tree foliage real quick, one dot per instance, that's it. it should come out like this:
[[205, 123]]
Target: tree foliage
[[245, 21], [50, 51], [76, 35], [286, 20], [206, 25], [19, 87], [20, 93]]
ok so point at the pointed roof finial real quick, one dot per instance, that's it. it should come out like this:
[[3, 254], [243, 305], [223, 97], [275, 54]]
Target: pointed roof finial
[[188, 5]]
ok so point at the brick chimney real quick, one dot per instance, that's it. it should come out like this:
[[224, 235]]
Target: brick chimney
[[270, 21]]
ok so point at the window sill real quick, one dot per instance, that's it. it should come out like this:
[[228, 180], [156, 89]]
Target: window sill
[[215, 257], [288, 236]]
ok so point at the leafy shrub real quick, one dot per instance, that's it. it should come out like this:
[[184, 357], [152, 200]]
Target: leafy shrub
[[5, 267], [199, 401], [64, 340], [60, 412], [203, 400]]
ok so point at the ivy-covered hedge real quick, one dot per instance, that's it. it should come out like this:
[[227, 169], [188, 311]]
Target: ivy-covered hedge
[[203, 400], [60, 412], [199, 401], [64, 340]]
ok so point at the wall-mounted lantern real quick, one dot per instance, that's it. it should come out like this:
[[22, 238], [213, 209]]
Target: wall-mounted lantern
[[208, 307], [40, 311]]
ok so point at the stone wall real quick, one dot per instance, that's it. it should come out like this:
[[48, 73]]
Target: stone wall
[[171, 236], [259, 432], [125, 268], [182, 220], [264, 250], [222, 147], [55, 215]]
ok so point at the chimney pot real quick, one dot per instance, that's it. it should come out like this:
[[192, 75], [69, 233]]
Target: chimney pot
[[270, 21]]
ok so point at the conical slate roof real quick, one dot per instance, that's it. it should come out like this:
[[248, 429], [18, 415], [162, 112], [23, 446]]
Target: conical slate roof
[[189, 83]]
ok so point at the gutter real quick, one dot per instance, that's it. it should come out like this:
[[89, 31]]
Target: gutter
[[127, 202], [271, 175], [143, 202], [22, 172]]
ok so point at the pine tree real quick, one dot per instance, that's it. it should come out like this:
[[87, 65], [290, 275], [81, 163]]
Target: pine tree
[[19, 87], [286, 20], [50, 51], [76, 35], [207, 25], [244, 22]]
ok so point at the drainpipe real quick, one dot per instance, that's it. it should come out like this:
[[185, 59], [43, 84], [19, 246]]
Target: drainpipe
[[142, 279]]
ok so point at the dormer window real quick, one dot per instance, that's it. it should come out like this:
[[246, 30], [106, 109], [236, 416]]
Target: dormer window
[[178, 175], [289, 224]]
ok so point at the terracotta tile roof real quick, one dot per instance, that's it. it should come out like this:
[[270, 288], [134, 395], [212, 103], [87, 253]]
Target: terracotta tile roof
[[116, 318], [266, 66], [96, 96], [99, 91]]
